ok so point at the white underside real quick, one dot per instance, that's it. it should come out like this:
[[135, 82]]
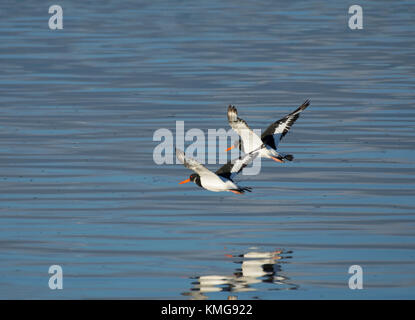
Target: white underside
[[216, 184], [252, 142], [268, 153]]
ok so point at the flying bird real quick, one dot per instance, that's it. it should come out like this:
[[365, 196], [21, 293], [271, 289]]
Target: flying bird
[[267, 144], [222, 179]]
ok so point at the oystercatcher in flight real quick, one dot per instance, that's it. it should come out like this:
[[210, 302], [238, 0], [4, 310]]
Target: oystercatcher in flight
[[222, 179], [267, 144]]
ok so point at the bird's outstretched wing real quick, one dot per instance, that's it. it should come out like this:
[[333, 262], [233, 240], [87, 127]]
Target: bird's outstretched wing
[[192, 164], [277, 130], [250, 140], [233, 167]]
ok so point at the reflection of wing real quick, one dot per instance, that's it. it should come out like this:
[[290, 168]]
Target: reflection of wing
[[250, 139], [256, 267], [233, 167], [192, 164], [277, 130]]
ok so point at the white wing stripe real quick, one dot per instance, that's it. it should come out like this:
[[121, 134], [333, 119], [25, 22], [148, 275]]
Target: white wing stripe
[[250, 140], [192, 164]]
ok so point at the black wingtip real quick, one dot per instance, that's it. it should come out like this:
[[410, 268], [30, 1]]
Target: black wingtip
[[231, 108], [305, 104], [301, 108], [232, 113]]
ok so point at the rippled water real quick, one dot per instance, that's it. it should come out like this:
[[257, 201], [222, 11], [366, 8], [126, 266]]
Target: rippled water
[[79, 187]]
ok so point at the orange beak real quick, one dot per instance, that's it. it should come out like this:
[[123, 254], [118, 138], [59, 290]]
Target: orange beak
[[277, 160], [185, 181], [230, 148]]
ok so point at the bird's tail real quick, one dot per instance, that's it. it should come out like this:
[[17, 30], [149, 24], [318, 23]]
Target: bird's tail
[[283, 157], [241, 190], [249, 189], [289, 157]]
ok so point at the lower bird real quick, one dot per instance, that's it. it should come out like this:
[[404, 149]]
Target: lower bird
[[267, 144], [222, 179]]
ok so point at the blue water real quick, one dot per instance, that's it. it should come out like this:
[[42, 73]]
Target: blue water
[[79, 187]]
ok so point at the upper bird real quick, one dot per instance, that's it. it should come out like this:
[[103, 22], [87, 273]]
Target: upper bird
[[267, 144], [222, 179]]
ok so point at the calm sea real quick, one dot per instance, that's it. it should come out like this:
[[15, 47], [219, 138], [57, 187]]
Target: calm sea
[[79, 187]]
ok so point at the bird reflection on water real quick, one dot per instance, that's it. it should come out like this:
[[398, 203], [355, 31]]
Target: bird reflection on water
[[255, 268]]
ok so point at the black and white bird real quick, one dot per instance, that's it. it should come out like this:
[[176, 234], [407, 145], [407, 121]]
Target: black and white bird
[[267, 144], [222, 179]]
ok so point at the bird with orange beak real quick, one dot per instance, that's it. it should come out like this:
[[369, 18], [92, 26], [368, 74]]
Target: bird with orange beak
[[222, 179], [267, 144]]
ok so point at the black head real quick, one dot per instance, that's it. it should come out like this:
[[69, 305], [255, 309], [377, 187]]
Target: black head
[[194, 177]]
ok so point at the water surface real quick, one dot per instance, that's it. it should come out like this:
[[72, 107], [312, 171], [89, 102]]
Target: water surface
[[79, 188]]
